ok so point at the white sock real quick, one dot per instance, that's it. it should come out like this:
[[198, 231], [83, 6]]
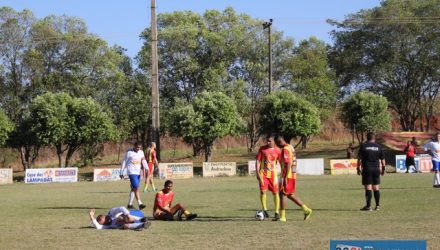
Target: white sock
[[437, 179], [131, 198]]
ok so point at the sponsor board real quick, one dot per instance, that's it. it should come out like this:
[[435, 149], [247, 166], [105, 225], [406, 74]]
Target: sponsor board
[[6, 175], [377, 244], [47, 175], [176, 170], [213, 169], [107, 174], [343, 166], [310, 166], [423, 162]]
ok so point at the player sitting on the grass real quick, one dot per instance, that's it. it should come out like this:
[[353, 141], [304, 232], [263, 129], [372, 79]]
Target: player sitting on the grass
[[162, 205], [119, 218]]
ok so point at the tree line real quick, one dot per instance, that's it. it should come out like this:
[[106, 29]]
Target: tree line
[[63, 87]]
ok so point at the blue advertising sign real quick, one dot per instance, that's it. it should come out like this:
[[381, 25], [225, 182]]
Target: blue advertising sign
[[377, 244]]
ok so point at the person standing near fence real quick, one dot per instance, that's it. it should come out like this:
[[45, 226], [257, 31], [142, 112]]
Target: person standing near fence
[[410, 152], [152, 162]]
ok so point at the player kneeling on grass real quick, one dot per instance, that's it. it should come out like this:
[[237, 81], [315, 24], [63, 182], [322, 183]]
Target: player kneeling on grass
[[119, 218], [162, 205], [288, 178]]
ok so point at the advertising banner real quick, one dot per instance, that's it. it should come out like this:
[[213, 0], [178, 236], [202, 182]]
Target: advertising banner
[[213, 169], [47, 175], [310, 166], [343, 166], [107, 174], [176, 170], [423, 163], [6, 176]]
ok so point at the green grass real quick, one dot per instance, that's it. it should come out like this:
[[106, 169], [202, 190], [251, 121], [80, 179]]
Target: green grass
[[54, 216]]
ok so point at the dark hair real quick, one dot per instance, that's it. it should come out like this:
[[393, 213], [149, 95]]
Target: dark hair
[[137, 143], [168, 182], [279, 138], [370, 136], [98, 218]]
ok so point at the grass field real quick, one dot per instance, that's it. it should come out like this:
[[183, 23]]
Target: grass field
[[54, 216]]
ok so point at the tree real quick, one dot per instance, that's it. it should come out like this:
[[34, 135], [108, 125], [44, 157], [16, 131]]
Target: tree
[[366, 112], [50, 121], [211, 116], [290, 115], [6, 127], [392, 50], [90, 126], [310, 75]]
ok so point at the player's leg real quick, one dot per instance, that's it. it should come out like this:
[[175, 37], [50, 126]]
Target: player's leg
[[135, 183], [282, 206], [375, 187], [263, 183], [181, 210], [273, 187], [367, 181], [407, 164], [436, 169]]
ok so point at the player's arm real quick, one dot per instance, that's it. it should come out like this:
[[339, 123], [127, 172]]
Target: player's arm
[[123, 166], [95, 223], [382, 164], [159, 204], [144, 169], [258, 164], [359, 165]]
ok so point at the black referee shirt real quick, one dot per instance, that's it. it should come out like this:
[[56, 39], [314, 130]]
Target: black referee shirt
[[370, 153]]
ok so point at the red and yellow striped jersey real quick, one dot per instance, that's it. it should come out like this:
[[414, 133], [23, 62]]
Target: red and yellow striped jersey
[[288, 162], [268, 158]]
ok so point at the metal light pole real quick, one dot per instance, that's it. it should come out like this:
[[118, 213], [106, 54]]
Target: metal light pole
[[268, 25], [155, 81]]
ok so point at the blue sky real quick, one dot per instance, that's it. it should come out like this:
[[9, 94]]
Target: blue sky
[[120, 22]]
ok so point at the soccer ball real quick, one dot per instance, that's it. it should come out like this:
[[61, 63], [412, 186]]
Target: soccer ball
[[259, 215]]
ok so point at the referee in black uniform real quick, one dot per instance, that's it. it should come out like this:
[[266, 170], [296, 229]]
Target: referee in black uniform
[[371, 164]]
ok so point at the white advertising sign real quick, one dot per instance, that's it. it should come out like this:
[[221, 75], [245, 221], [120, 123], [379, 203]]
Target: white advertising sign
[[310, 166], [6, 175], [176, 170], [213, 169], [107, 174], [47, 175]]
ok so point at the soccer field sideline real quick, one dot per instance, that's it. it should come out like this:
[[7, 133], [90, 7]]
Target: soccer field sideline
[[54, 216]]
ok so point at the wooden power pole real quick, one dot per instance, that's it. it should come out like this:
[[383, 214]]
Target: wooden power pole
[[268, 26], [155, 81]]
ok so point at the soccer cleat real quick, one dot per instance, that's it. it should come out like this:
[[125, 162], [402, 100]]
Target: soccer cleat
[[277, 217], [142, 206], [266, 214], [130, 206], [366, 208], [191, 217], [283, 219], [377, 208], [307, 214], [436, 186], [144, 219]]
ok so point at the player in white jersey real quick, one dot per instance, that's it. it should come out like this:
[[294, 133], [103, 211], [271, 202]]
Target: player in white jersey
[[135, 163], [119, 218], [433, 148]]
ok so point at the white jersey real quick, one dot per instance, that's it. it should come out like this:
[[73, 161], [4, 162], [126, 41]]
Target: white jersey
[[133, 161], [434, 150], [114, 213]]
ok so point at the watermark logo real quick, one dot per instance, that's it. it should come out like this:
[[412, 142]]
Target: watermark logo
[[377, 244]]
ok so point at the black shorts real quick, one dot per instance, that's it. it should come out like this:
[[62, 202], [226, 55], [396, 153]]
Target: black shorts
[[371, 176], [410, 161]]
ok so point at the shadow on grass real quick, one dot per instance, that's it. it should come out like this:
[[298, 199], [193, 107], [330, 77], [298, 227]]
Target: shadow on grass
[[107, 192], [223, 218], [72, 208]]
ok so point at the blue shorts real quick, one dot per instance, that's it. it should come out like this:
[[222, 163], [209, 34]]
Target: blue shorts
[[135, 180], [435, 165], [137, 214]]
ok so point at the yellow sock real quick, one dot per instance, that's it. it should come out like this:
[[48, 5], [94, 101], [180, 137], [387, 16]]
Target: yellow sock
[[282, 214], [186, 212], [305, 208], [263, 201], [276, 201]]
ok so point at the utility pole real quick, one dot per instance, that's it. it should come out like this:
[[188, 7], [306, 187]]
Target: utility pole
[[268, 26], [155, 82]]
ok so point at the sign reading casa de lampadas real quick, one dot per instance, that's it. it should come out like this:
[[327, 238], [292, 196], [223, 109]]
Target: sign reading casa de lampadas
[[46, 175], [108, 174], [176, 170], [212, 169], [5, 175]]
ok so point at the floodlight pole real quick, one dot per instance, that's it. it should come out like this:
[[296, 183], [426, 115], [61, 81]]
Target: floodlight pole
[[268, 26], [154, 82]]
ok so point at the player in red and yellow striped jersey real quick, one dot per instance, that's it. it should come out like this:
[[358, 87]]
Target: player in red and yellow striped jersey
[[288, 178], [151, 161], [266, 161]]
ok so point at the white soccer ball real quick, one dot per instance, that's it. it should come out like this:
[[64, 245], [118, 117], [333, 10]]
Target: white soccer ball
[[259, 215]]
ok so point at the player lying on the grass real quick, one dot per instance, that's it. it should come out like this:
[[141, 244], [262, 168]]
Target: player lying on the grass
[[119, 218], [288, 178], [162, 205]]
